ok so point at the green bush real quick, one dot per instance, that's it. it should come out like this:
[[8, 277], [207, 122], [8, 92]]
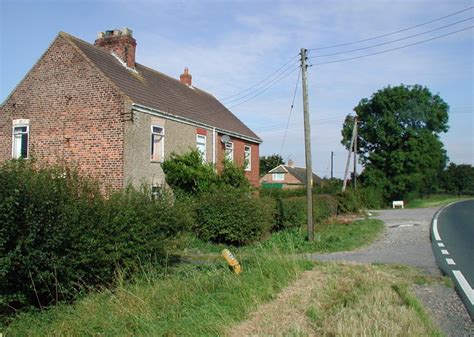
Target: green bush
[[348, 202], [324, 207], [187, 173], [291, 212], [371, 197], [59, 234], [233, 216]]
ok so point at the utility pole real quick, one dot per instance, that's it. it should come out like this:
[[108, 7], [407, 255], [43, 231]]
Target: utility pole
[[332, 164], [307, 145], [354, 131], [355, 154]]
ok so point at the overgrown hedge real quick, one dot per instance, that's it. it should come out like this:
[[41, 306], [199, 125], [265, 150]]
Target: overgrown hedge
[[233, 216], [59, 235], [291, 212]]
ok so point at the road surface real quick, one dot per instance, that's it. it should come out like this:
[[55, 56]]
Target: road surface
[[453, 246]]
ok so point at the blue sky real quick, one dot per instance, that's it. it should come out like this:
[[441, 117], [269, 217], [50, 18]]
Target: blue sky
[[231, 45]]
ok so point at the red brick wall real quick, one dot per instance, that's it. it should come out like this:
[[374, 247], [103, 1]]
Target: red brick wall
[[75, 115], [239, 147]]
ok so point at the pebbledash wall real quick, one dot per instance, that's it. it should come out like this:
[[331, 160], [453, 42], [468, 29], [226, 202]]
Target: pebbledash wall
[[75, 115]]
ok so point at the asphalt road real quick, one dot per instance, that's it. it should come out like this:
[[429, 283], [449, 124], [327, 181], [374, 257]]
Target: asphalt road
[[453, 246]]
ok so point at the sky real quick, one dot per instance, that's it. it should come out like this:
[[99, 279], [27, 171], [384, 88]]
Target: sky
[[232, 46]]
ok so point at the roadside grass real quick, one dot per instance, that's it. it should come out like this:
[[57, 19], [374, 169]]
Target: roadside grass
[[435, 200], [187, 300], [331, 236], [345, 300]]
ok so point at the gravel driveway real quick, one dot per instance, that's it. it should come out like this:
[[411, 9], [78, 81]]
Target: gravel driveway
[[406, 240]]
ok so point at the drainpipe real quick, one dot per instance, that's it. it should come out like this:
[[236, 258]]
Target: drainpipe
[[214, 148]]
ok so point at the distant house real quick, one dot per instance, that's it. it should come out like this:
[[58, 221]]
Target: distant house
[[115, 119], [287, 177]]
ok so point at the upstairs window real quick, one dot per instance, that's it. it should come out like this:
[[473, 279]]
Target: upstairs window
[[248, 158], [278, 176], [20, 141], [157, 143], [201, 146], [229, 151]]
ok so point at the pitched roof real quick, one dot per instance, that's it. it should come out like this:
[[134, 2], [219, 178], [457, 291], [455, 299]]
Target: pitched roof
[[155, 90], [298, 172]]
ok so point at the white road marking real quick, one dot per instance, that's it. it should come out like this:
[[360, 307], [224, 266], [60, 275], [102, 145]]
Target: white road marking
[[435, 229], [450, 261], [444, 252], [464, 285], [440, 244], [405, 226]]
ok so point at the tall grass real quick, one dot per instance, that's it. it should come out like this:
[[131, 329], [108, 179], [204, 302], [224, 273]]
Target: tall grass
[[188, 301]]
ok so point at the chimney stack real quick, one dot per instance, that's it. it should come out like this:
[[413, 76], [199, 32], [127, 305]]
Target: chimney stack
[[291, 163], [186, 77], [120, 42]]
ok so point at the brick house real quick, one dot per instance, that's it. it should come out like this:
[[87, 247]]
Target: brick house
[[287, 177], [115, 119]]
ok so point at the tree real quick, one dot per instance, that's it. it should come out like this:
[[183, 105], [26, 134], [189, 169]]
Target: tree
[[459, 178], [270, 162], [398, 140]]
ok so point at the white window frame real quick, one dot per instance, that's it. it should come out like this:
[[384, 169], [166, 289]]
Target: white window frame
[[229, 151], [248, 158], [162, 134], [203, 141], [21, 123], [276, 176]]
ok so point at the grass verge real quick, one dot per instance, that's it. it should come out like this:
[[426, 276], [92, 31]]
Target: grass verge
[[329, 237], [188, 301], [345, 300], [435, 200]]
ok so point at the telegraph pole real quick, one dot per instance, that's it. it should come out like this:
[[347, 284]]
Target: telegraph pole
[[354, 131], [307, 145], [355, 153], [332, 164]]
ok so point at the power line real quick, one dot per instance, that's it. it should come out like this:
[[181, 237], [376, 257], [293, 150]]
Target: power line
[[266, 88], [393, 49], [260, 82], [393, 33], [393, 41], [261, 87], [291, 110]]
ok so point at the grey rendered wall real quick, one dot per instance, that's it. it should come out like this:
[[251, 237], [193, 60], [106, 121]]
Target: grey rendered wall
[[179, 138]]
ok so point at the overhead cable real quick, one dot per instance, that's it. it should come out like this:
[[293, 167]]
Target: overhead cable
[[393, 33], [393, 49], [393, 41]]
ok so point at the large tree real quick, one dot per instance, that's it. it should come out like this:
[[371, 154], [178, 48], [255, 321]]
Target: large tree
[[398, 139], [459, 178]]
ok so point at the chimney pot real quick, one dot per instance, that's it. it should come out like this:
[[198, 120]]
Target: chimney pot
[[186, 77], [119, 42]]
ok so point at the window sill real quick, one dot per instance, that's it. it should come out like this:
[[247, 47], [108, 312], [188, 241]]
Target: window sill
[[156, 161]]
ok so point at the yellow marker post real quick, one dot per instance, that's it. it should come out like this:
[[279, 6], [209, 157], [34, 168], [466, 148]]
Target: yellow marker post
[[232, 261]]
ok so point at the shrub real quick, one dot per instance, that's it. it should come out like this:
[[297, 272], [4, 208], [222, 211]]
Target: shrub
[[233, 216], [60, 234], [291, 212], [324, 207], [187, 173], [371, 197], [348, 202]]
